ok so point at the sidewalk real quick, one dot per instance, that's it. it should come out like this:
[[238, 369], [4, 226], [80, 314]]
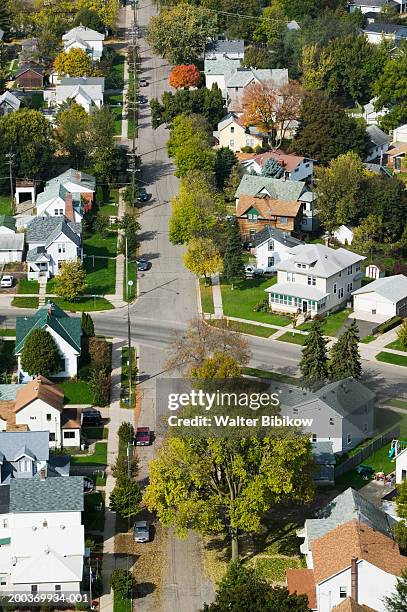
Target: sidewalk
[[217, 296]]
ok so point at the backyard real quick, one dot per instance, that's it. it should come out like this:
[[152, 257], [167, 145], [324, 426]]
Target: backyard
[[100, 275], [78, 392], [99, 456]]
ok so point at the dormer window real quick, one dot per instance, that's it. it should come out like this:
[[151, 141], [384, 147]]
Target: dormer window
[[252, 215], [271, 245], [25, 465], [301, 265]]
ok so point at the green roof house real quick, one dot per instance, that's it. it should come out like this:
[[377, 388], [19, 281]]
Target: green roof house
[[66, 332]]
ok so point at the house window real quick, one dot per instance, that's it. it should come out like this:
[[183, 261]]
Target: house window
[[232, 130], [357, 267], [69, 435], [350, 269], [334, 289], [270, 262], [57, 587], [291, 277], [34, 588], [305, 220], [312, 280], [350, 287], [348, 438], [52, 437], [48, 417], [252, 215], [295, 411], [340, 293], [25, 465], [343, 593], [314, 438], [3, 580], [252, 233], [331, 421], [271, 245], [61, 247], [231, 143], [5, 523], [236, 89], [283, 220], [301, 265]]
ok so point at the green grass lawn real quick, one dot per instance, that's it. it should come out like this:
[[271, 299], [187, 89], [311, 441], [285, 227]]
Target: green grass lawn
[[84, 304], [206, 297], [100, 275], [104, 246], [293, 338], [124, 393], [76, 392], [247, 328], [25, 302], [132, 272], [400, 360], [7, 332], [277, 376], [96, 433], [397, 403], [396, 345], [240, 301], [368, 338], [113, 101], [98, 457], [121, 605], [5, 205], [273, 568], [28, 286], [332, 322]]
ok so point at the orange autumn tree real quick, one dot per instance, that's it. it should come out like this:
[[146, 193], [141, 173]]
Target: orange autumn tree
[[271, 108], [185, 75]]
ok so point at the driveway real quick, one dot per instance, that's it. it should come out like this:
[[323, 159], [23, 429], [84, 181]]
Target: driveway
[[365, 327]]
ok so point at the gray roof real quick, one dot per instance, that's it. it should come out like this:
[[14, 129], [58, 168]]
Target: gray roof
[[4, 499], [71, 81], [376, 168], [90, 92], [376, 135], [59, 465], [42, 228], [323, 261], [225, 46], [278, 189], [225, 66], [243, 76], [37, 254], [385, 28], [323, 453], [10, 99], [392, 288], [49, 495], [65, 229], [370, 2], [83, 33], [307, 292], [345, 507], [271, 232], [11, 242], [9, 392], [15, 443]]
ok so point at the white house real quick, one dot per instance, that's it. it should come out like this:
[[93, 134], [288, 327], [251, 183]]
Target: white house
[[42, 537], [232, 134], [293, 167], [370, 115], [376, 6], [11, 243], [382, 299], [218, 49], [86, 39], [352, 560], [8, 103], [85, 91], [315, 279], [344, 234], [377, 32], [243, 77], [400, 133], [51, 241], [272, 246], [69, 195], [400, 457], [66, 332], [219, 70], [378, 143]]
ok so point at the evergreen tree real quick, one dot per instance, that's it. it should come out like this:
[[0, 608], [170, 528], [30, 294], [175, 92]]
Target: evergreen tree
[[224, 162], [344, 355], [314, 363], [40, 354], [87, 325], [233, 267], [4, 17], [398, 601], [272, 169]]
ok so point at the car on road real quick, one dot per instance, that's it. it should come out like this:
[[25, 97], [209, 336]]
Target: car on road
[[142, 99], [252, 272], [142, 195], [143, 83], [141, 532], [91, 416], [6, 280], [143, 436], [142, 265]]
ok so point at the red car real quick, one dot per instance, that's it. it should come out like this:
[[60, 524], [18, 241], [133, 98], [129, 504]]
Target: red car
[[143, 436]]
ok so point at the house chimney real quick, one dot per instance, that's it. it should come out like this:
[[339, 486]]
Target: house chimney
[[354, 578], [42, 474], [69, 214], [50, 310]]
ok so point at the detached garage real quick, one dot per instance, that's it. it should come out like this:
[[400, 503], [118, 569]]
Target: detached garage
[[382, 299]]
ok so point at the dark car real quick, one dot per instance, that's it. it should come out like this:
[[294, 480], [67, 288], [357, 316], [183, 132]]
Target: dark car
[[143, 436], [143, 195], [91, 416], [143, 83], [142, 99], [142, 265]]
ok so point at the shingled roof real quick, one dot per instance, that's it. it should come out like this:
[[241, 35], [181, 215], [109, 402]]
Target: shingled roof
[[49, 495], [43, 389]]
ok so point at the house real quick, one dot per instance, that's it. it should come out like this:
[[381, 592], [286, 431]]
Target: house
[[378, 32], [378, 143], [8, 103], [30, 76], [396, 156], [86, 39], [344, 234], [341, 412], [377, 169], [376, 6], [271, 246], [11, 244], [219, 49], [353, 560], [294, 167], [41, 534], [51, 241], [400, 457], [243, 77], [24, 454], [66, 332], [400, 134], [218, 71], [85, 91], [382, 299], [256, 212], [276, 189], [71, 194], [315, 279], [29, 50], [231, 133], [370, 114], [38, 406], [373, 271]]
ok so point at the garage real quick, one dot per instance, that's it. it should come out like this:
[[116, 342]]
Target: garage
[[382, 299]]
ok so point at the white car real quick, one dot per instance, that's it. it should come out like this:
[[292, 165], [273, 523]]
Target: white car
[[141, 532], [6, 281], [251, 271]]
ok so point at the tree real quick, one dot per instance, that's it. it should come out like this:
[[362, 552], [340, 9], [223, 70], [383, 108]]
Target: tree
[[402, 334], [125, 498], [100, 353], [70, 280], [4, 65], [386, 199], [397, 602], [218, 366], [40, 354], [314, 363], [126, 432], [390, 92], [316, 62], [202, 257], [194, 155], [124, 466], [338, 189], [231, 184], [87, 325], [344, 358], [205, 102], [99, 382], [272, 26], [400, 535], [131, 227], [242, 588], [225, 161], [122, 582], [186, 128], [179, 33], [89, 19], [108, 10], [184, 76], [226, 485], [75, 63], [233, 266], [299, 10], [5, 18], [326, 131], [401, 500], [72, 133], [103, 153], [256, 56], [272, 168], [367, 234]]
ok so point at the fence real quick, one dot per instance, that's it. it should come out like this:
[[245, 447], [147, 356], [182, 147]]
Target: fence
[[366, 451]]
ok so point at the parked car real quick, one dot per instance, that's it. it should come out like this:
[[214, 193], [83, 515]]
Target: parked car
[[142, 195], [143, 83], [6, 280], [143, 436], [91, 416], [142, 99], [141, 532], [252, 271], [142, 265]]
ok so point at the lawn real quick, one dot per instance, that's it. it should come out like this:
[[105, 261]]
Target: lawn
[[367, 339], [103, 246], [332, 323], [400, 360], [397, 403], [5, 205], [293, 338], [84, 304], [247, 328], [98, 457], [7, 332], [273, 568], [241, 301], [132, 272], [132, 117], [76, 392], [277, 376], [100, 275], [396, 345], [206, 297], [121, 605], [124, 392], [115, 103], [28, 286], [96, 433], [25, 302]]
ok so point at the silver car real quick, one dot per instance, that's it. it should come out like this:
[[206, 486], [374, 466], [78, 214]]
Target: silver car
[[141, 532]]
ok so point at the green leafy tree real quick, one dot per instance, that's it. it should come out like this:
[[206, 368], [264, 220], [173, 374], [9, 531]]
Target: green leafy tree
[[205, 102], [126, 432], [202, 257], [367, 235], [235, 27], [390, 91], [99, 382], [88, 327], [194, 155], [179, 33], [5, 17], [386, 199], [100, 353], [225, 161], [72, 133], [75, 63], [89, 19], [219, 366], [344, 355], [131, 227], [40, 354], [70, 280], [402, 334], [397, 602], [108, 10], [272, 27], [226, 485], [185, 128], [400, 535], [316, 63], [272, 169], [122, 582], [401, 500], [299, 10], [4, 65], [242, 588], [125, 498], [326, 131], [256, 56], [233, 266], [125, 466], [231, 184], [314, 361]]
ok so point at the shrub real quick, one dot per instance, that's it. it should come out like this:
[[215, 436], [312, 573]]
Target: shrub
[[387, 325], [100, 354], [126, 432], [247, 149], [122, 582], [262, 306], [122, 467], [100, 382], [87, 325]]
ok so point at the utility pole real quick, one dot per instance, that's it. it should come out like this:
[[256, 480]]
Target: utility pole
[[132, 104], [10, 158]]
